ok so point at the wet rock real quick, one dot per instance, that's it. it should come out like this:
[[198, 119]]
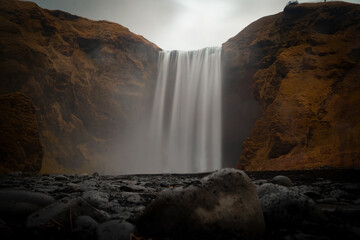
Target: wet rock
[[85, 223], [282, 180], [60, 212], [115, 230], [60, 178], [134, 198], [84, 228], [338, 194], [19, 204], [225, 202], [96, 198], [286, 207], [327, 201]]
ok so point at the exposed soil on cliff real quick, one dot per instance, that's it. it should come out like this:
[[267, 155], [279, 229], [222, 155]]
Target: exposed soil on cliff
[[303, 65], [20, 147], [86, 79]]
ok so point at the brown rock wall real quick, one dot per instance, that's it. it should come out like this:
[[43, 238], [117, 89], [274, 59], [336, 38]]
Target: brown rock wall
[[304, 69], [20, 147], [86, 79]]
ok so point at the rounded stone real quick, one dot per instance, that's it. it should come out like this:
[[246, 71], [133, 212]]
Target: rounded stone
[[225, 204], [282, 180], [114, 230]]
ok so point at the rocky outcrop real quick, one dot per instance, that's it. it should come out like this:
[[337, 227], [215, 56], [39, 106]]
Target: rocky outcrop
[[20, 147], [86, 79], [304, 68]]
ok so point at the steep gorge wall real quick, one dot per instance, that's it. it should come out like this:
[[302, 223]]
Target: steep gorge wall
[[86, 79], [303, 65]]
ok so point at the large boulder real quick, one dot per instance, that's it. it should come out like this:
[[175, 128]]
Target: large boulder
[[225, 204], [20, 146]]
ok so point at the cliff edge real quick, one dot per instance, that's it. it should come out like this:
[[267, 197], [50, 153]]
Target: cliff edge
[[304, 67], [86, 79]]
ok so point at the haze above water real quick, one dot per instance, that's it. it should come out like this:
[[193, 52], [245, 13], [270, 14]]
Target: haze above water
[[176, 24]]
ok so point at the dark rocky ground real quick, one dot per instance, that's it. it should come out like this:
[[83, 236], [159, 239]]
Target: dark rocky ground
[[106, 202]]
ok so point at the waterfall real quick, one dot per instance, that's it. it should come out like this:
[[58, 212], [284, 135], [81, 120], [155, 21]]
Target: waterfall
[[185, 126]]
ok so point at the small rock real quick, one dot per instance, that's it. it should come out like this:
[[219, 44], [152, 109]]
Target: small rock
[[60, 212], [338, 194], [225, 203], [260, 182], [282, 180], [134, 198], [16, 204], [84, 228], [115, 230], [95, 174], [85, 223], [327, 201], [60, 178], [96, 198], [283, 206]]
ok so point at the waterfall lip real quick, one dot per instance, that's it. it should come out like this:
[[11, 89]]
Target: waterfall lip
[[193, 50]]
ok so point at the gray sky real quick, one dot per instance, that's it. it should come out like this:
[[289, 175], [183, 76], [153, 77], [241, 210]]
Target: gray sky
[[175, 24]]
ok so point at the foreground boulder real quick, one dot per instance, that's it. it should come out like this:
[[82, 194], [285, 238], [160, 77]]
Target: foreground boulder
[[20, 147], [224, 204]]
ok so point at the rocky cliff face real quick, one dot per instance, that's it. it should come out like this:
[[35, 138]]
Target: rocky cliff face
[[20, 147], [85, 78], [304, 67]]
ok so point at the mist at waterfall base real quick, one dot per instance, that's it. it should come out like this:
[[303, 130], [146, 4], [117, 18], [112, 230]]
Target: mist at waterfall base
[[182, 132]]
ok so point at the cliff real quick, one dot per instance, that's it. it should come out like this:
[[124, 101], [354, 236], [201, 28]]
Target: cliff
[[86, 79], [303, 65], [20, 147]]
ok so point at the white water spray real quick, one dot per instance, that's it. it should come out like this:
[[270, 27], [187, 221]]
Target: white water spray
[[185, 126]]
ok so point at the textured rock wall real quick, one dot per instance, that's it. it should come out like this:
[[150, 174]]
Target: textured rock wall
[[20, 147], [304, 67], [85, 78]]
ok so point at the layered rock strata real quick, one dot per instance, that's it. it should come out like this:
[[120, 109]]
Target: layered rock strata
[[304, 67], [86, 79]]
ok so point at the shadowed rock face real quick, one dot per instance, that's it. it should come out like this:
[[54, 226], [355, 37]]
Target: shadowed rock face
[[304, 68], [20, 147], [85, 78]]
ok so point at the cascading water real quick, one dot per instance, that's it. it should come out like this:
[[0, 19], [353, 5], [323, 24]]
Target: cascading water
[[185, 126]]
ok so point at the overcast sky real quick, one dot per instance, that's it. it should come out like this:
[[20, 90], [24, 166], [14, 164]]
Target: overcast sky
[[175, 24]]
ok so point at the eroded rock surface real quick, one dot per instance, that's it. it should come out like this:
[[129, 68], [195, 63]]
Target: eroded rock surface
[[20, 146], [86, 79], [303, 66]]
